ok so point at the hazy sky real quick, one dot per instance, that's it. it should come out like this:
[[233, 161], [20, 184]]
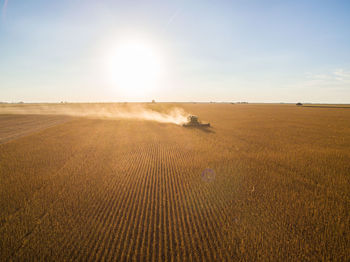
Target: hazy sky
[[257, 51]]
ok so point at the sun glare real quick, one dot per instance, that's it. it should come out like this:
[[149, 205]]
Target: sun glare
[[136, 68]]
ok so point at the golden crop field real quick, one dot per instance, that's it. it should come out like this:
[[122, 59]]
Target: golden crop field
[[266, 182]]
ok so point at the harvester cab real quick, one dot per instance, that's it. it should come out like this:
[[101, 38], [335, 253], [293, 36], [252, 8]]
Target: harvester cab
[[193, 122]]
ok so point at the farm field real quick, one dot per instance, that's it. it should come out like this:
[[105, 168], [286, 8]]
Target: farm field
[[14, 126], [265, 182]]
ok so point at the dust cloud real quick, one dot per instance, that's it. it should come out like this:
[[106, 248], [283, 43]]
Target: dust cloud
[[173, 115]]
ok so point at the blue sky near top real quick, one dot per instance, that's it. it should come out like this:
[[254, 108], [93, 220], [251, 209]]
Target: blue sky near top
[[258, 51]]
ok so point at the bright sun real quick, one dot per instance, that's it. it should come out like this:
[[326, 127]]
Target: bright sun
[[136, 68]]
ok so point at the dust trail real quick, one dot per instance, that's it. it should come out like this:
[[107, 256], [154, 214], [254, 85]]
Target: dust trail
[[156, 113]]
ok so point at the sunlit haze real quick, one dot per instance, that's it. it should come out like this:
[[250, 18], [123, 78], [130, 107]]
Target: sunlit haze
[[105, 51]]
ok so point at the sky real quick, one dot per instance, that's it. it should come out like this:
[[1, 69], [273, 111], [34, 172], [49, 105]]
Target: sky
[[224, 51]]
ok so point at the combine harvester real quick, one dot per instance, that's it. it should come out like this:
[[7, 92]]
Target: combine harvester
[[193, 122]]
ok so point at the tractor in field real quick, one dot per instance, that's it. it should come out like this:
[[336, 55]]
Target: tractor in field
[[193, 122]]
